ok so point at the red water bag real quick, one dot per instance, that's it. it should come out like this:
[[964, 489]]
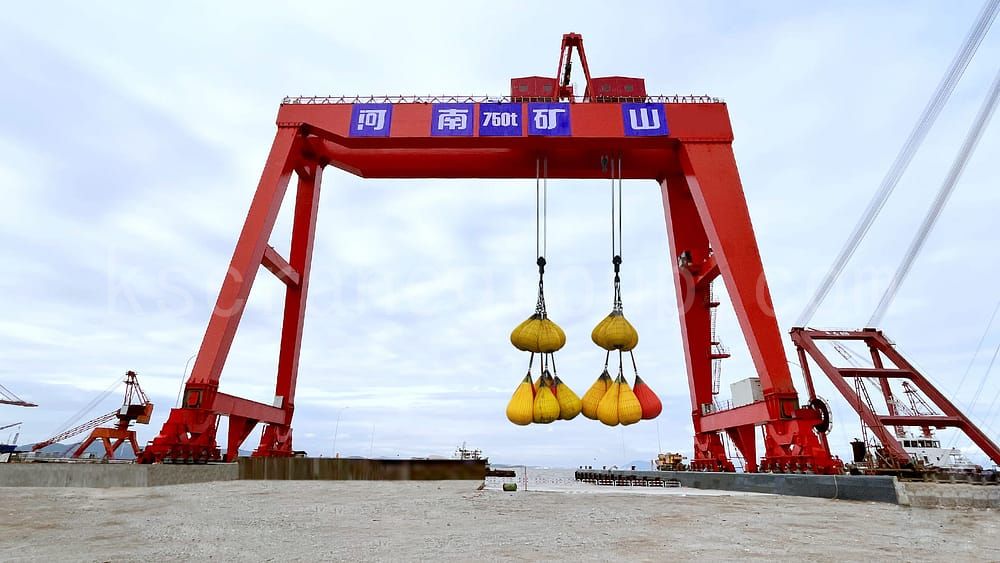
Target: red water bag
[[651, 405]]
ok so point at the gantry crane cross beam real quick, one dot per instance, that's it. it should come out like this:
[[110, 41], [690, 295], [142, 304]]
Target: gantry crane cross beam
[[683, 144]]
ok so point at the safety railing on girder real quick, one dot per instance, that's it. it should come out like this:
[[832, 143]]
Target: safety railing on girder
[[315, 100]]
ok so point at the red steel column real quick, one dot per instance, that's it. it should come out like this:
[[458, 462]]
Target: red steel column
[[277, 439], [190, 431], [686, 236], [719, 207], [246, 259], [718, 195]]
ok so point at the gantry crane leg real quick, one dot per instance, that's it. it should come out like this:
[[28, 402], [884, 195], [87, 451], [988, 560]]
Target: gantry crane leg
[[711, 236], [190, 431]]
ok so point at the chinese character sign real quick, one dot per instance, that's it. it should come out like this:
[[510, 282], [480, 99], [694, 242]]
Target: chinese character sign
[[645, 120], [548, 118], [453, 120], [370, 120], [500, 120]]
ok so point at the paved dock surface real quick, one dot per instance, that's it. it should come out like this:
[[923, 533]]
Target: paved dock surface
[[451, 520]]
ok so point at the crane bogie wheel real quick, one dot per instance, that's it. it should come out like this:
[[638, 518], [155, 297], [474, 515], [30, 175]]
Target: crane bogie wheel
[[825, 420]]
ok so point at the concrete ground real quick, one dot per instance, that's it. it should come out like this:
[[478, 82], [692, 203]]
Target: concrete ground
[[369, 520]]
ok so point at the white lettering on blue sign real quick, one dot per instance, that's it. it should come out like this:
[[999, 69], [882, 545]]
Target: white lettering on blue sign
[[546, 118], [500, 120], [645, 120], [549, 118], [453, 120], [370, 120]]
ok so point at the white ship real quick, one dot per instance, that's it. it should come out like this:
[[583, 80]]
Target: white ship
[[926, 450], [463, 452]]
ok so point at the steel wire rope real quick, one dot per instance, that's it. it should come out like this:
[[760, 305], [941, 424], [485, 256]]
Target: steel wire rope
[[75, 418], [924, 123], [541, 228], [982, 383], [979, 347], [990, 417], [968, 413], [8, 394], [538, 207], [616, 250], [968, 148], [545, 206]]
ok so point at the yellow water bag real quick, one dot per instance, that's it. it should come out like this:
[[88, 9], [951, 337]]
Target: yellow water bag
[[518, 336], [538, 335], [521, 405], [592, 398], [569, 403], [607, 409], [545, 408], [614, 332], [629, 407]]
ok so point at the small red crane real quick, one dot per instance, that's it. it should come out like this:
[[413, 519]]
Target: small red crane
[[135, 408]]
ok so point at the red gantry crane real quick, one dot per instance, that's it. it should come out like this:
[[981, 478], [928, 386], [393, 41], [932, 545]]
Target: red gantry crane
[[135, 408], [683, 143]]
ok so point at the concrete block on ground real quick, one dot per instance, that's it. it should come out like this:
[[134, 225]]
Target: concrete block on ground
[[843, 487], [105, 475], [952, 495]]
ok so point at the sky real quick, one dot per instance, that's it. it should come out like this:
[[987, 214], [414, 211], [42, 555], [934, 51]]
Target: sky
[[132, 137]]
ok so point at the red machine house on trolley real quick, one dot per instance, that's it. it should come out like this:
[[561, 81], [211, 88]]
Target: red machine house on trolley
[[682, 143]]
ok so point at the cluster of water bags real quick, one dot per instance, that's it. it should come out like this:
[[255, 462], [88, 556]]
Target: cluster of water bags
[[613, 401], [542, 401]]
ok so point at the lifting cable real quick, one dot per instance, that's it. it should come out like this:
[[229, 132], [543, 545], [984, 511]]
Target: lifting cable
[[979, 347], [541, 249], [905, 155], [541, 238], [542, 205], [944, 193], [616, 249]]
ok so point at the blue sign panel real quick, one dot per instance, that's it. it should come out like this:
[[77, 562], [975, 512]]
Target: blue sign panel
[[500, 120], [645, 120], [452, 120], [548, 118], [370, 120]]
